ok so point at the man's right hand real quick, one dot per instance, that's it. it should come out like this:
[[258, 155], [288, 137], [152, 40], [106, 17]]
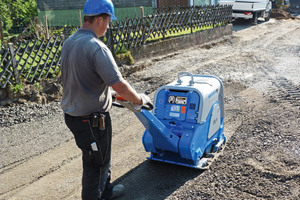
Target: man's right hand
[[145, 99], [135, 107]]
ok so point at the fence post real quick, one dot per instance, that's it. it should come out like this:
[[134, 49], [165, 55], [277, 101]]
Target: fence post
[[80, 21], [1, 32], [214, 16], [191, 21], [142, 11], [112, 47], [46, 27], [63, 37], [36, 27], [14, 62]]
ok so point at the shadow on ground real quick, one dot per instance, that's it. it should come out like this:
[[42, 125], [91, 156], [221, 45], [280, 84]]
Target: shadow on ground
[[153, 180], [240, 24]]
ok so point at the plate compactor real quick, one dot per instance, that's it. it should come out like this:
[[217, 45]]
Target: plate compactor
[[186, 124]]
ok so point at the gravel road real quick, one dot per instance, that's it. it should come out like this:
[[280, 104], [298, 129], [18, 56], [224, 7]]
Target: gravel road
[[259, 66]]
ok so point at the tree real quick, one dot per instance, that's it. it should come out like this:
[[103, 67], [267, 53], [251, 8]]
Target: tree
[[16, 13]]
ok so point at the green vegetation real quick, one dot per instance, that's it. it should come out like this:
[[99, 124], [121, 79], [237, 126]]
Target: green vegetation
[[38, 86], [125, 56], [173, 33], [16, 88], [17, 13]]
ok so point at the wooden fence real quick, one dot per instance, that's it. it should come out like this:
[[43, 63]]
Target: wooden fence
[[31, 61]]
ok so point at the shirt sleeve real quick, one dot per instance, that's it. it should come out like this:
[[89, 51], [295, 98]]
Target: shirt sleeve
[[106, 66]]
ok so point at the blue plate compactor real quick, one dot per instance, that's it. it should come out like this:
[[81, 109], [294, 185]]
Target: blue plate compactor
[[187, 121]]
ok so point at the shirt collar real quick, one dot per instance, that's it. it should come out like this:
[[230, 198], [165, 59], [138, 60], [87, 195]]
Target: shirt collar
[[87, 31]]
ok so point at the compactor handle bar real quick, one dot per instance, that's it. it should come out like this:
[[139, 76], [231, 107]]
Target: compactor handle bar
[[149, 106], [180, 74], [117, 105]]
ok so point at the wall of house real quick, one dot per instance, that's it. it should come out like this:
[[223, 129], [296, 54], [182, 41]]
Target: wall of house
[[182, 3], [131, 3], [65, 12], [202, 2], [172, 3], [44, 5], [71, 17]]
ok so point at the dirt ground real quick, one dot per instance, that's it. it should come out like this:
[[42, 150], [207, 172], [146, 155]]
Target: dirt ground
[[259, 66]]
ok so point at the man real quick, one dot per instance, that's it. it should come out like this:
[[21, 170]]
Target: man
[[89, 72]]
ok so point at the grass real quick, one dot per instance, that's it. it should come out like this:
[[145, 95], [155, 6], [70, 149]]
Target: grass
[[170, 33], [174, 33]]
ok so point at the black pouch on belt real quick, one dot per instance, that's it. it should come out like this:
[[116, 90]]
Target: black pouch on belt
[[102, 122], [98, 121], [95, 120]]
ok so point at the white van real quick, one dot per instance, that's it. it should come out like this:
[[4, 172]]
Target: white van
[[249, 9]]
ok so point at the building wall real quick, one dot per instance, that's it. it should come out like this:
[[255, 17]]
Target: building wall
[[202, 2], [71, 17], [44, 5], [131, 3], [181, 3], [65, 12], [172, 3]]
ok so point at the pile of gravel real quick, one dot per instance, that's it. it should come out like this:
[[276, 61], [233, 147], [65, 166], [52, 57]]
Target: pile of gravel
[[21, 113]]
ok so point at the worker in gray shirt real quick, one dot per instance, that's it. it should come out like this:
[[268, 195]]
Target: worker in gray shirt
[[89, 73]]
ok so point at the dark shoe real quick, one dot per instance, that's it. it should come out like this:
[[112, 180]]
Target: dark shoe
[[117, 191]]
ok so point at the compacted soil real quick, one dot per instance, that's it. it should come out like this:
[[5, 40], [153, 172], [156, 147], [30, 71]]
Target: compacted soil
[[259, 67]]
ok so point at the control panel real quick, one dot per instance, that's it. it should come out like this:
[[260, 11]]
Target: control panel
[[177, 105]]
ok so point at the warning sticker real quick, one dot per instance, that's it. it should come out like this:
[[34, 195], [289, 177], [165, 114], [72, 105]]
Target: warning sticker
[[175, 108], [182, 109], [172, 114]]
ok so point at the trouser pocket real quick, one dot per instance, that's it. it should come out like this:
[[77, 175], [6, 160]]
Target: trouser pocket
[[94, 143]]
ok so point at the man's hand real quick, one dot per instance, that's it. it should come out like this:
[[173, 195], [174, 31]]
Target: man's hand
[[145, 100], [136, 107]]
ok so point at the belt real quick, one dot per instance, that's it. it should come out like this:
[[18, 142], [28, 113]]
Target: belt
[[87, 116], [97, 119]]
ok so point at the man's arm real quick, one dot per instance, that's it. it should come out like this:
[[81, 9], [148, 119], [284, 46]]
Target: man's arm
[[127, 92]]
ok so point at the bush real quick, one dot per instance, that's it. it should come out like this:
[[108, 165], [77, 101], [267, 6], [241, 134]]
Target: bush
[[17, 14]]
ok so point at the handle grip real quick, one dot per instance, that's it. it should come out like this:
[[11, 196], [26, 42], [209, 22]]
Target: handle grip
[[148, 107], [180, 74], [117, 105], [120, 98]]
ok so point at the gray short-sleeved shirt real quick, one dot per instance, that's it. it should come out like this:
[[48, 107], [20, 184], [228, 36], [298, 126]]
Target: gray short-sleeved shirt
[[88, 69]]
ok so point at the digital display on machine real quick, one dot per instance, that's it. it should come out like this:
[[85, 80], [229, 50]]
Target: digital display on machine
[[177, 100]]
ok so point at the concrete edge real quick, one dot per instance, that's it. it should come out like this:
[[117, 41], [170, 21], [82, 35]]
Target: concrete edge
[[173, 44]]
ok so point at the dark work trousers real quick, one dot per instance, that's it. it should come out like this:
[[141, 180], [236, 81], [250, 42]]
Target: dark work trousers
[[96, 163]]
